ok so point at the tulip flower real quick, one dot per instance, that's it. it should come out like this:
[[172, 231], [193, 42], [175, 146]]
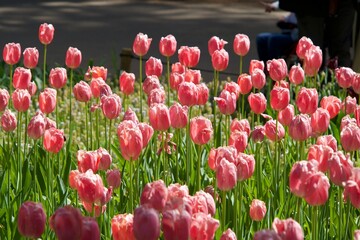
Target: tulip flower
[[257, 210], [122, 227], [31, 220], [58, 77], [31, 57], [4, 99]]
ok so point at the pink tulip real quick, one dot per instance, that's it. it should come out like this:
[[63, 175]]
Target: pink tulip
[[21, 78], [241, 44], [286, 115], [242, 125], [73, 58], [215, 43], [200, 130], [193, 76], [307, 100], [130, 115], [313, 60], [256, 64], [122, 227], [321, 154], [46, 33], [232, 87], [257, 210], [31, 57], [178, 115], [113, 178], [350, 137], [188, 94], [126, 82], [239, 140], [53, 140], [209, 201], [189, 56], [154, 195], [356, 114], [49, 123], [32, 88], [220, 59], [317, 189], [273, 133], [203, 227], [159, 117], [87, 160], [303, 46], [21, 100], [175, 190], [266, 235], [178, 67], [332, 104], [257, 102], [176, 79], [8, 121], [96, 72], [67, 223], [58, 77], [344, 76], [176, 224], [131, 142], [349, 105], [36, 127], [299, 174], [216, 155], [146, 223], [245, 84], [347, 120], [258, 78], [320, 121], [90, 229], [279, 98], [167, 45], [258, 134], [296, 74], [277, 69], [31, 220], [47, 100], [12, 53], [340, 168], [141, 44], [228, 235], [111, 106], [226, 102], [245, 165], [203, 94], [327, 140], [352, 188], [73, 178], [153, 66], [288, 229], [355, 83], [147, 132], [156, 96], [82, 91], [4, 99], [150, 83], [300, 128]]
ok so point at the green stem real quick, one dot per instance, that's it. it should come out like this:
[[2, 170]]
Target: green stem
[[109, 146], [35, 172], [141, 90], [105, 128], [91, 125], [25, 133], [97, 132], [341, 205], [168, 76], [198, 185], [177, 157], [314, 223], [241, 192], [242, 106], [241, 64], [258, 166], [70, 106], [131, 192], [227, 129], [223, 199], [44, 67], [236, 203], [348, 217], [9, 169], [188, 148], [86, 125], [10, 82], [19, 188], [299, 210]]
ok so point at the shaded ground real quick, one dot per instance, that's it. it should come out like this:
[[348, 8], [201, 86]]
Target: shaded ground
[[100, 29]]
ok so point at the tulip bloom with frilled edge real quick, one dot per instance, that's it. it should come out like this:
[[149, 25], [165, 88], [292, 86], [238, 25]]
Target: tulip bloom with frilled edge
[[8, 121]]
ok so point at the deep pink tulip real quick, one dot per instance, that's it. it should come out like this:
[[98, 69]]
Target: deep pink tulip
[[355, 83], [257, 102], [96, 72], [349, 105], [32, 88], [21, 100], [220, 59], [47, 100], [73, 58], [21, 78], [176, 224], [12, 53], [105, 159], [8, 121], [111, 106], [146, 223], [153, 66], [159, 117], [356, 114], [147, 132], [156, 96], [313, 60], [200, 130], [4, 99], [167, 45], [258, 134], [87, 160], [241, 44], [226, 102], [296, 74], [203, 94], [36, 127], [279, 98], [327, 140], [352, 188], [271, 132], [31, 220], [126, 83], [245, 165], [256, 64], [176, 79], [178, 67], [203, 226], [141, 44], [228, 235], [188, 94], [46, 33], [31, 57], [242, 125], [90, 229], [67, 223], [317, 189], [299, 174], [245, 83], [320, 121], [303, 46], [150, 83], [233, 87], [300, 128], [340, 168], [332, 104], [216, 155], [267, 234], [58, 77], [82, 91], [154, 195], [350, 137], [189, 56], [321, 154], [239, 140], [192, 75], [215, 43], [307, 100], [277, 69], [122, 227], [53, 140], [178, 115], [288, 229], [131, 141], [113, 178], [258, 78], [257, 210], [286, 115], [344, 76]]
